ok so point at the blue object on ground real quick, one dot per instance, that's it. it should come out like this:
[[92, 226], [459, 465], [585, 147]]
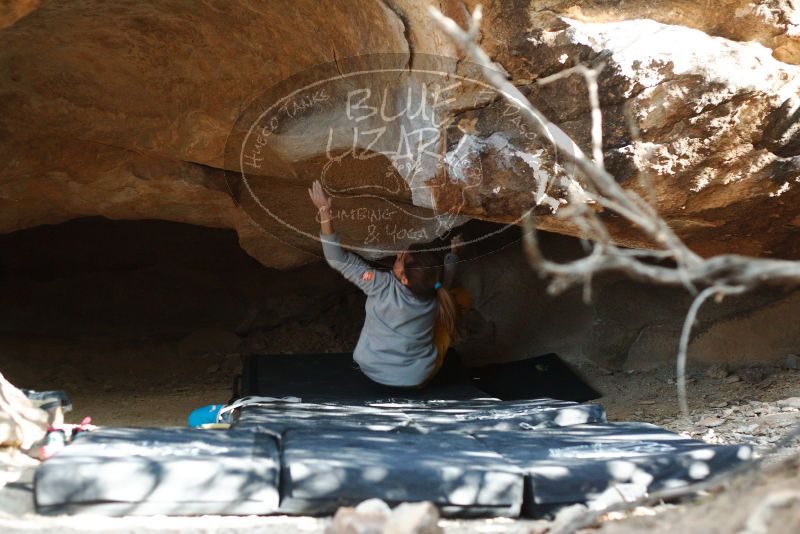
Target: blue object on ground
[[205, 415]]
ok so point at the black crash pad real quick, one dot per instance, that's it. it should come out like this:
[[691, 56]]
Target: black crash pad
[[540, 376], [599, 464], [148, 471], [322, 470], [335, 377]]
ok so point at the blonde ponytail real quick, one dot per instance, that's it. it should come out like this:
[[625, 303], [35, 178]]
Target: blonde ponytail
[[446, 314], [425, 274]]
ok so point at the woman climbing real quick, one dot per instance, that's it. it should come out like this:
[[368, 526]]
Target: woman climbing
[[411, 315]]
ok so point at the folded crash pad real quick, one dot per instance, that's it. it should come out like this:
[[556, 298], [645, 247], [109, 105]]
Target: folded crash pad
[[492, 414], [600, 464], [322, 470], [442, 416], [147, 471], [277, 417]]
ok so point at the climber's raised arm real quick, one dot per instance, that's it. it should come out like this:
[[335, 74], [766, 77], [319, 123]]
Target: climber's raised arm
[[352, 267], [323, 205]]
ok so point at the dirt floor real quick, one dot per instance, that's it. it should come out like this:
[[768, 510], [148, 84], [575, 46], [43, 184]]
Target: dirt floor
[[756, 406]]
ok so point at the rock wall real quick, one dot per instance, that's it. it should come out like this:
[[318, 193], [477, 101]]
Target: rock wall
[[623, 325], [165, 301], [128, 110], [118, 305], [717, 110], [122, 109]]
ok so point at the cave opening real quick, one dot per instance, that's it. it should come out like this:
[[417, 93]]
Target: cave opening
[[141, 321], [123, 310]]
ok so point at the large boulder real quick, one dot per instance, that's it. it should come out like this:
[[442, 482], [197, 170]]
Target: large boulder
[[717, 116], [126, 109]]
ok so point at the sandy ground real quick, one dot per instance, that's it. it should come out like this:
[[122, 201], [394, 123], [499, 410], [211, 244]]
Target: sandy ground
[[746, 406]]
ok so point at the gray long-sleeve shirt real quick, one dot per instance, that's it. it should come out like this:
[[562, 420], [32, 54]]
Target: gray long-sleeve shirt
[[395, 347]]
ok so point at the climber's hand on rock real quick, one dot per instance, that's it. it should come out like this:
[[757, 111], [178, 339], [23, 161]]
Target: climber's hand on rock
[[319, 198], [323, 204], [456, 244]]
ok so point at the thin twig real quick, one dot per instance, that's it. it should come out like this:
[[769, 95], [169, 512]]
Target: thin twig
[[686, 331], [759, 521], [589, 74]]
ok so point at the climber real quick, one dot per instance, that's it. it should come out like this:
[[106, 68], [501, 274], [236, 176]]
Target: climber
[[410, 312]]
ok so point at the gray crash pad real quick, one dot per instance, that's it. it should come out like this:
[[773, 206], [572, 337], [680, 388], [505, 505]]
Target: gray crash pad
[[277, 417], [600, 464], [472, 458], [442, 416], [492, 414], [147, 471], [322, 470]]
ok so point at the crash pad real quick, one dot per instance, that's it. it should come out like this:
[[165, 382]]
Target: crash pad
[[442, 415], [546, 375], [277, 417], [492, 414], [322, 470], [600, 464], [322, 435], [172, 471], [336, 377]]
